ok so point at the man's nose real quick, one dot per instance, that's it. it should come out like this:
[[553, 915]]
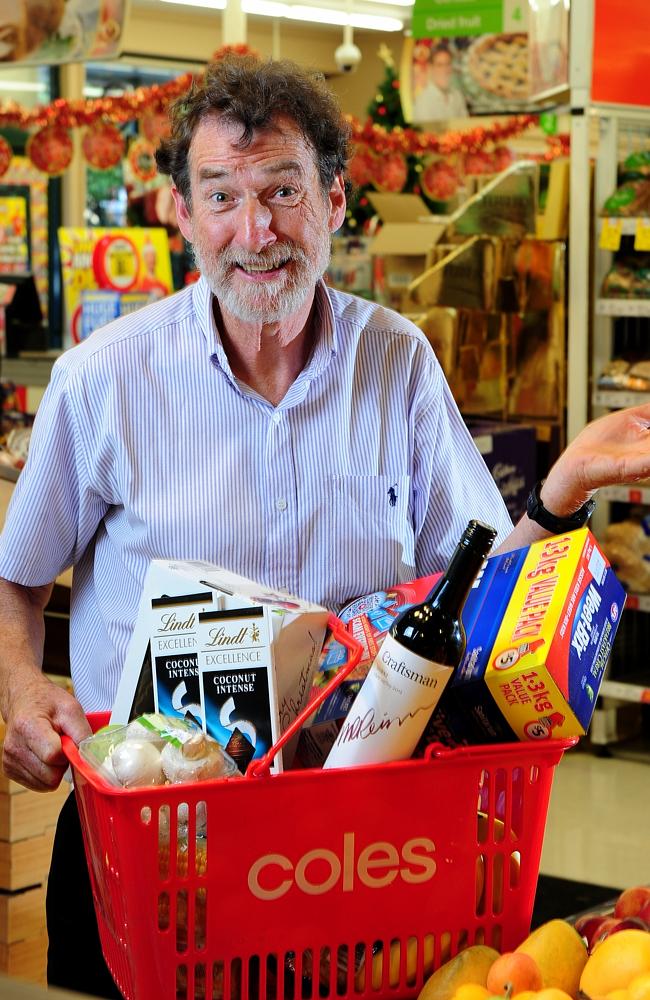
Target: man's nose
[[255, 231]]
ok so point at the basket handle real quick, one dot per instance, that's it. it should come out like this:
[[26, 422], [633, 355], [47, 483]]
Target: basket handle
[[261, 767]]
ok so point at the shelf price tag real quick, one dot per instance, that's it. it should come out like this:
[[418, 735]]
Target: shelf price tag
[[642, 234], [610, 234]]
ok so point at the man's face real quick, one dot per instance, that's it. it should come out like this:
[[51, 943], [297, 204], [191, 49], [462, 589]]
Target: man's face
[[441, 70], [260, 224]]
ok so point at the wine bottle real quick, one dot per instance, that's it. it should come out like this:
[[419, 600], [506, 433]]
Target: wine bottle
[[416, 660]]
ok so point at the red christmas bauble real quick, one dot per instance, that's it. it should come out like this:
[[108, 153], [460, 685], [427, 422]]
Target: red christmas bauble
[[50, 150], [103, 145]]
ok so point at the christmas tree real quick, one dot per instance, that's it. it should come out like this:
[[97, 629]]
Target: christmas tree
[[391, 172]]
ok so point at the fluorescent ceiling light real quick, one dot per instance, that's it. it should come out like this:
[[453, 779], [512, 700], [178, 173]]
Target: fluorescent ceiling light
[[321, 15], [23, 85], [299, 12], [210, 4]]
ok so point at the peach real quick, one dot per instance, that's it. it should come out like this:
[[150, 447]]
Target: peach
[[613, 926], [513, 972], [632, 901]]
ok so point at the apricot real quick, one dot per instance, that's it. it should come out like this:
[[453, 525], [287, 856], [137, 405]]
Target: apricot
[[514, 972], [553, 993], [616, 962]]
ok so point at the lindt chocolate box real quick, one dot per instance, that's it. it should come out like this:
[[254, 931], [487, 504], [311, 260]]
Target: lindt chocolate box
[[540, 624], [169, 649]]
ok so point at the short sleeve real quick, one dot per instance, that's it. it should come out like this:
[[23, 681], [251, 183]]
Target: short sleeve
[[53, 513]]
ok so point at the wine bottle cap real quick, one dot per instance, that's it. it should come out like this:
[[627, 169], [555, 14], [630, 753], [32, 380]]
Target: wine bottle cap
[[479, 535]]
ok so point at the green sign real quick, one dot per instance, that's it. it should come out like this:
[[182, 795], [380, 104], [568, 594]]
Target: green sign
[[452, 18]]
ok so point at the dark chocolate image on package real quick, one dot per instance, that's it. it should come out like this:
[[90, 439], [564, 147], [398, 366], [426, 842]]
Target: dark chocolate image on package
[[240, 749], [238, 698]]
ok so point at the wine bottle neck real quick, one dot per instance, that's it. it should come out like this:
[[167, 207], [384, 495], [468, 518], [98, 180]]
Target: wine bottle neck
[[450, 592]]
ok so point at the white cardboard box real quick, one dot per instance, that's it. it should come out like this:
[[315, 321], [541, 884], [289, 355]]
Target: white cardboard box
[[297, 633]]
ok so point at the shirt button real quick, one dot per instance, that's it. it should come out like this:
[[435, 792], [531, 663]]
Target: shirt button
[[277, 417], [281, 504]]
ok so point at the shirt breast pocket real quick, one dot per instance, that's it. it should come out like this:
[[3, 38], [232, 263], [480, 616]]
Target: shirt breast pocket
[[373, 543]]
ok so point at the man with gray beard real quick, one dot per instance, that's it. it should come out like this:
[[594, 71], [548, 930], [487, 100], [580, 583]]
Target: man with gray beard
[[258, 420]]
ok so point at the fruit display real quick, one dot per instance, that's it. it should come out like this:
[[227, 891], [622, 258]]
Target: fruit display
[[601, 956]]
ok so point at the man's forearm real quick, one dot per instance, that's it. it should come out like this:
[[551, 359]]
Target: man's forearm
[[23, 634]]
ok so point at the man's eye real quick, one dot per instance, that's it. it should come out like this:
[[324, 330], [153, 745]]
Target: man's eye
[[286, 191], [219, 196]]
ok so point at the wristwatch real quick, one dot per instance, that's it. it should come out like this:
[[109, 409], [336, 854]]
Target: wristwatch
[[552, 522]]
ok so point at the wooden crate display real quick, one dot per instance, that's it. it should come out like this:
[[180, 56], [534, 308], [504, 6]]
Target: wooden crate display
[[27, 824]]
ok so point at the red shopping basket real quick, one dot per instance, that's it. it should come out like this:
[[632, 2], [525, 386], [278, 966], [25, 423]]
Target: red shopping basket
[[345, 883]]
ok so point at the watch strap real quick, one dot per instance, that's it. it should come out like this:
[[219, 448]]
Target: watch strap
[[552, 522]]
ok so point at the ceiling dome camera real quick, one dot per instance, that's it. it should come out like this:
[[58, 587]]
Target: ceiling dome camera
[[347, 57]]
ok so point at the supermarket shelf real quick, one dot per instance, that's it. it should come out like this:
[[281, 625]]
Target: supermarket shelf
[[617, 399], [627, 690], [626, 494], [638, 602], [623, 307], [628, 225]]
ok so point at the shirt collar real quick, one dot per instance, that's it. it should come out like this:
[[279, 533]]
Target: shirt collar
[[325, 324]]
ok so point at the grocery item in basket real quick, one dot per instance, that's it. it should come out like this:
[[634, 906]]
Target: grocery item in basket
[[540, 624], [156, 750], [161, 666], [237, 677], [174, 651], [416, 660]]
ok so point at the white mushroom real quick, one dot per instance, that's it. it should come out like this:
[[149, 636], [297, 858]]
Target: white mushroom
[[198, 759], [137, 763]]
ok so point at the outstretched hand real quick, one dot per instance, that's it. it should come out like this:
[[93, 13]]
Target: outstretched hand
[[36, 713], [610, 451]]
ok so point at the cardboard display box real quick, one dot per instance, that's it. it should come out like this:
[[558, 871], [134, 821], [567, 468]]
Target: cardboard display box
[[162, 671], [509, 451]]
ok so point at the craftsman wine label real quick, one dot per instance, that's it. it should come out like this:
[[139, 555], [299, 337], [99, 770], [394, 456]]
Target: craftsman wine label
[[237, 679]]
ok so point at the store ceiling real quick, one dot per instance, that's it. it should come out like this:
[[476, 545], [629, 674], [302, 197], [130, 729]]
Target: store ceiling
[[398, 10]]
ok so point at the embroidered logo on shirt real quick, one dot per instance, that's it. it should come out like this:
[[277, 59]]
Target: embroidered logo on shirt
[[392, 496]]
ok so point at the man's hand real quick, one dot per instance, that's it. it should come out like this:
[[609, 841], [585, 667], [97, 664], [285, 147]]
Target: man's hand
[[36, 713], [612, 450]]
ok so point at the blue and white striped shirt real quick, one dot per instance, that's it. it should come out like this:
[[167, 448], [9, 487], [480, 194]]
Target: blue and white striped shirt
[[146, 446]]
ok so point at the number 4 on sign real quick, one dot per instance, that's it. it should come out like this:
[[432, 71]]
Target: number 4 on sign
[[610, 234]]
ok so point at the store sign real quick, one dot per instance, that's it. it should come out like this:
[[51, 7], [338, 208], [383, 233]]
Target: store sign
[[60, 31], [442, 18], [108, 272], [14, 230], [621, 43]]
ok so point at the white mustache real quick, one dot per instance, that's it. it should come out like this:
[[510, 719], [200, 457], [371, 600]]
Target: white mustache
[[279, 254]]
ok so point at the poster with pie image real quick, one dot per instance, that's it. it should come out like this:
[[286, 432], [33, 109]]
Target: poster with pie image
[[48, 32], [452, 77]]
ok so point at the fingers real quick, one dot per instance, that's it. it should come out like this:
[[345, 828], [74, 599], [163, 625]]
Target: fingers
[[32, 753], [24, 766]]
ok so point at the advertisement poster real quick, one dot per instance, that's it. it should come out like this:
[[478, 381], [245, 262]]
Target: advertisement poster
[[465, 57], [14, 230], [108, 272], [46, 32], [548, 41], [23, 176]]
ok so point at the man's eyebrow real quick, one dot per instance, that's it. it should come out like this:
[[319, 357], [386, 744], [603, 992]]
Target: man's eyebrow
[[209, 173]]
